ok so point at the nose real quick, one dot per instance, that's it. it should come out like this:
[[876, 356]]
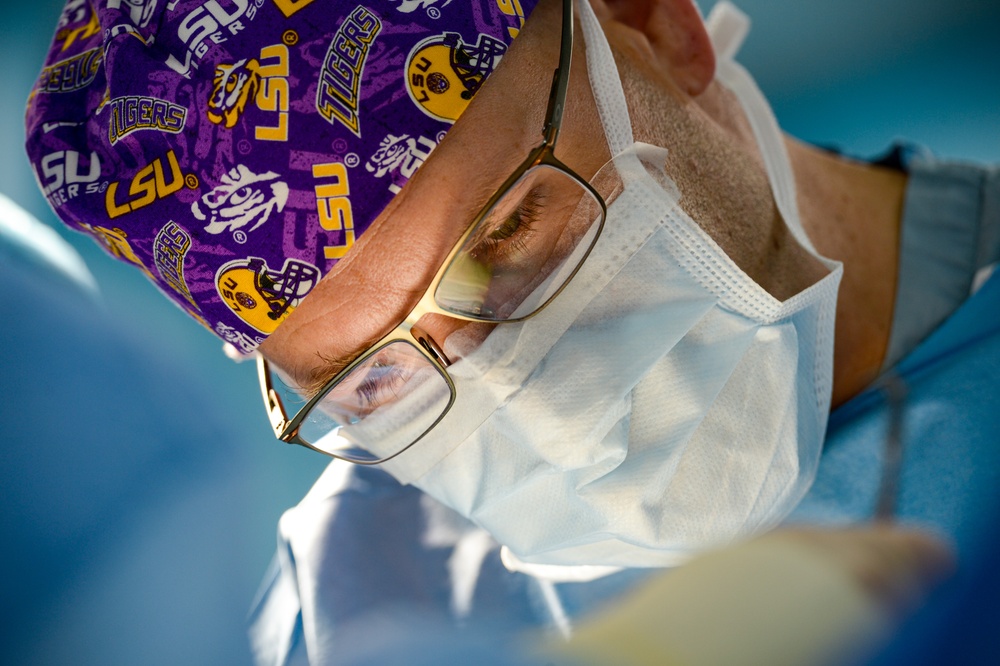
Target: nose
[[433, 332]]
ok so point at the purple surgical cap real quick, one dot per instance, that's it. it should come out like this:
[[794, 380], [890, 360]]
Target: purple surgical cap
[[234, 150]]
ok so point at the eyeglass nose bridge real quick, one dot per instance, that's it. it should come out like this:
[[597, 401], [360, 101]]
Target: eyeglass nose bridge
[[424, 338]]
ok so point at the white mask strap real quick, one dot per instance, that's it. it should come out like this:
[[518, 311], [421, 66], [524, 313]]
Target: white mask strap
[[727, 27], [605, 82]]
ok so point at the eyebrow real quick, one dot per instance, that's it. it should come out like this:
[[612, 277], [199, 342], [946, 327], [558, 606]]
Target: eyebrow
[[330, 367]]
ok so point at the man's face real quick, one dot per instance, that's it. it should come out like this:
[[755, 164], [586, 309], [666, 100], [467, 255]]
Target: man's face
[[372, 289]]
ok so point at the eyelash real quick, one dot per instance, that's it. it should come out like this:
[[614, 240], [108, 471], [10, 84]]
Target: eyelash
[[510, 236], [380, 378]]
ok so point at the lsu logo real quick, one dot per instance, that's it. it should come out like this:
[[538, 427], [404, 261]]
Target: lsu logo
[[62, 176], [114, 241], [169, 251], [71, 74], [333, 204], [243, 197], [147, 186], [399, 154], [340, 79], [443, 73], [129, 114], [214, 22], [265, 81], [261, 297]]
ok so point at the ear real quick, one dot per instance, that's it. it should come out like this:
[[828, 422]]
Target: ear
[[676, 36]]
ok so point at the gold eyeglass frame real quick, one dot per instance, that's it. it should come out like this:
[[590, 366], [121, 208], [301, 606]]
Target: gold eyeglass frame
[[286, 429]]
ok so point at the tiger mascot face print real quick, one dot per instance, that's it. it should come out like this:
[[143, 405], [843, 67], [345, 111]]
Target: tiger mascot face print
[[235, 85]]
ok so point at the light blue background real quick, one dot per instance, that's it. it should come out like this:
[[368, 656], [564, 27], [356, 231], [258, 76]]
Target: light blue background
[[169, 580]]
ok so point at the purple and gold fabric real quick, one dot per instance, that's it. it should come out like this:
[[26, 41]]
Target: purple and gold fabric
[[234, 150]]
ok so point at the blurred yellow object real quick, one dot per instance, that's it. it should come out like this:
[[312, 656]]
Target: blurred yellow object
[[791, 597]]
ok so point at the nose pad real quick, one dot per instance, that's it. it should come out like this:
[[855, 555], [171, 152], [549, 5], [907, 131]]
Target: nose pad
[[433, 331], [427, 342]]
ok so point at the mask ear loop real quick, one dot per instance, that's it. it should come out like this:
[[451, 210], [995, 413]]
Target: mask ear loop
[[605, 83], [727, 27]]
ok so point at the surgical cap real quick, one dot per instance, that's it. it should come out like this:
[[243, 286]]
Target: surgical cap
[[234, 150]]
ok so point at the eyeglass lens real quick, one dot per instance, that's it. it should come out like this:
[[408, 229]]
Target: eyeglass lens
[[385, 403], [524, 249]]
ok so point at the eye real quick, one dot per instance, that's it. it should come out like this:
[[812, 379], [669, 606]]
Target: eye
[[380, 385], [505, 238], [240, 195]]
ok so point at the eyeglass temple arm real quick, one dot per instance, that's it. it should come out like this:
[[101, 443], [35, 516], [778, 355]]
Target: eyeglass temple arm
[[272, 401], [560, 78]]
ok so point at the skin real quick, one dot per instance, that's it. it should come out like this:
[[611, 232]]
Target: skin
[[850, 210]]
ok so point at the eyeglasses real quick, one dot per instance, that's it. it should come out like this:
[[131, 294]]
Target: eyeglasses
[[518, 253]]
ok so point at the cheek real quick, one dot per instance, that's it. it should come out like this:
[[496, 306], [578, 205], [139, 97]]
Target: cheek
[[582, 145]]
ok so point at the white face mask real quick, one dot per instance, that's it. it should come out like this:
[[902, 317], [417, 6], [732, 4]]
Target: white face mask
[[664, 402]]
